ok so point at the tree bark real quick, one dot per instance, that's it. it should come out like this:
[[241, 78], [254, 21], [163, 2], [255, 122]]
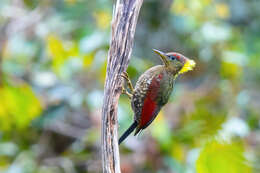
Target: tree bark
[[124, 21]]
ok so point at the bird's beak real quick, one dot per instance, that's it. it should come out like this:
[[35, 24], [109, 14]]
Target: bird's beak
[[162, 56]]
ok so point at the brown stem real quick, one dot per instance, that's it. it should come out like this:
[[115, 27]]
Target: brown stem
[[123, 29]]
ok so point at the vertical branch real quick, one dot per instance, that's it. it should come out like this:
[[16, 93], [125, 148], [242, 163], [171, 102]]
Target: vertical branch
[[123, 29]]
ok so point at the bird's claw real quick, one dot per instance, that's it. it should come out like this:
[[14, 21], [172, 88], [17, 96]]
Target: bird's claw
[[125, 75], [124, 91], [129, 83]]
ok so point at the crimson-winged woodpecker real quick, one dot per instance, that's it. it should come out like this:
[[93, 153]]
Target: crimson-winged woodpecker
[[153, 89]]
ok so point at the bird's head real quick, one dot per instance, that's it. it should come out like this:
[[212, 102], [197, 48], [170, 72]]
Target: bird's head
[[176, 62]]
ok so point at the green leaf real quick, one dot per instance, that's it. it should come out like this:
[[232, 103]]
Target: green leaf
[[18, 106], [222, 157]]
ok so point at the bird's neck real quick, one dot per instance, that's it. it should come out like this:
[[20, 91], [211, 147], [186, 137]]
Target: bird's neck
[[172, 71]]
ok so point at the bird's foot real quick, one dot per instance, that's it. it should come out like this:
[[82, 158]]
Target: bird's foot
[[124, 91], [129, 83]]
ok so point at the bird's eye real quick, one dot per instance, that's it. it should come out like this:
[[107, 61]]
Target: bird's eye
[[172, 57]]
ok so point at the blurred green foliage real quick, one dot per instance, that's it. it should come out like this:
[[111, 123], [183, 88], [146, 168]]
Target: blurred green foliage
[[227, 156], [19, 106], [52, 71]]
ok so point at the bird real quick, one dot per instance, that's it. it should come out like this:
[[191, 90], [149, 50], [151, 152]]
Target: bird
[[153, 89]]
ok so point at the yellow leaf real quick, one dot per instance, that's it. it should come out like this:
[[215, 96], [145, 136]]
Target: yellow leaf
[[179, 7], [73, 51], [60, 53], [55, 47], [184, 7], [71, 1], [222, 157], [56, 51], [4, 163], [103, 19], [18, 107], [178, 152], [231, 70], [102, 75], [222, 10], [88, 59]]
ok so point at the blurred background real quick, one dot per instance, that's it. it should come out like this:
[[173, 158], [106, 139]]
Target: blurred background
[[52, 70]]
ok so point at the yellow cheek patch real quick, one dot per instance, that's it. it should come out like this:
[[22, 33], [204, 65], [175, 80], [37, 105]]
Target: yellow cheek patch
[[189, 65]]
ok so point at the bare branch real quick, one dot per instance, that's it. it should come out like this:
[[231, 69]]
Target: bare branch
[[123, 29]]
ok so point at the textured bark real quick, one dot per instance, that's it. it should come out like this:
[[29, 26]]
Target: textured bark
[[123, 29]]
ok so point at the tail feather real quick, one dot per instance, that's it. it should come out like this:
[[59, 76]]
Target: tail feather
[[127, 132], [137, 131]]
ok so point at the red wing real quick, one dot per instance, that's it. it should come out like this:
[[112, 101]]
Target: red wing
[[150, 107], [149, 112]]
